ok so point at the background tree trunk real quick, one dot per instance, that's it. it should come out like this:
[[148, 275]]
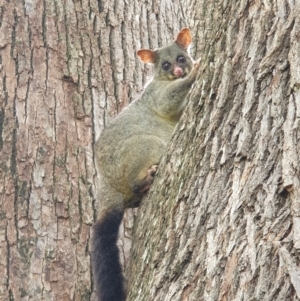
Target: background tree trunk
[[222, 219], [67, 67]]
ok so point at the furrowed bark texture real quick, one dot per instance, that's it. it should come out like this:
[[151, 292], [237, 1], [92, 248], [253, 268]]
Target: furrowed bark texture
[[222, 219], [66, 68]]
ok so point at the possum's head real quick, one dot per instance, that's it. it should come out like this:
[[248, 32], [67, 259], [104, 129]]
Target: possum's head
[[173, 61]]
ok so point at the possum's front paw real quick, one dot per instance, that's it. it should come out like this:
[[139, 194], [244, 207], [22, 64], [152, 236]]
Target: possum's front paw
[[196, 68]]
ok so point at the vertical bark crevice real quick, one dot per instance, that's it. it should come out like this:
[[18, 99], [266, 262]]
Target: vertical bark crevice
[[2, 118]]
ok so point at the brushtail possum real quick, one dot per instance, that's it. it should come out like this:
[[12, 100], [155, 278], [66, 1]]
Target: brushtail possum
[[128, 152]]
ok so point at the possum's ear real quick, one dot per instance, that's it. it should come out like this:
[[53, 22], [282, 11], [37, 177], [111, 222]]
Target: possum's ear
[[184, 38], [147, 56]]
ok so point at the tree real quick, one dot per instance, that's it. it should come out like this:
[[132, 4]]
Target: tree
[[221, 221], [67, 67]]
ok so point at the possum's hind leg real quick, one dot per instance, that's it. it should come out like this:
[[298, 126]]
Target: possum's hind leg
[[147, 181]]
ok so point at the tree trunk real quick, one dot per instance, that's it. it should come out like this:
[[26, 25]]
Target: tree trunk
[[222, 219], [67, 68]]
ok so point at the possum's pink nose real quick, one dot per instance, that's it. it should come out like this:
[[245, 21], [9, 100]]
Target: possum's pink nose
[[178, 71]]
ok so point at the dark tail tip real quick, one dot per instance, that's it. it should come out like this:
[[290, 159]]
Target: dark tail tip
[[107, 268]]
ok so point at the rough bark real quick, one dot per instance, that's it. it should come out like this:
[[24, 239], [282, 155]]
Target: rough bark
[[66, 68], [222, 219]]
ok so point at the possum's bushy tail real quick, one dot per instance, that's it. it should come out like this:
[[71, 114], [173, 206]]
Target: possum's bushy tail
[[107, 269]]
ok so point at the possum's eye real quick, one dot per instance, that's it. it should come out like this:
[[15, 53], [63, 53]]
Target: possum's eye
[[166, 66], [181, 59]]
